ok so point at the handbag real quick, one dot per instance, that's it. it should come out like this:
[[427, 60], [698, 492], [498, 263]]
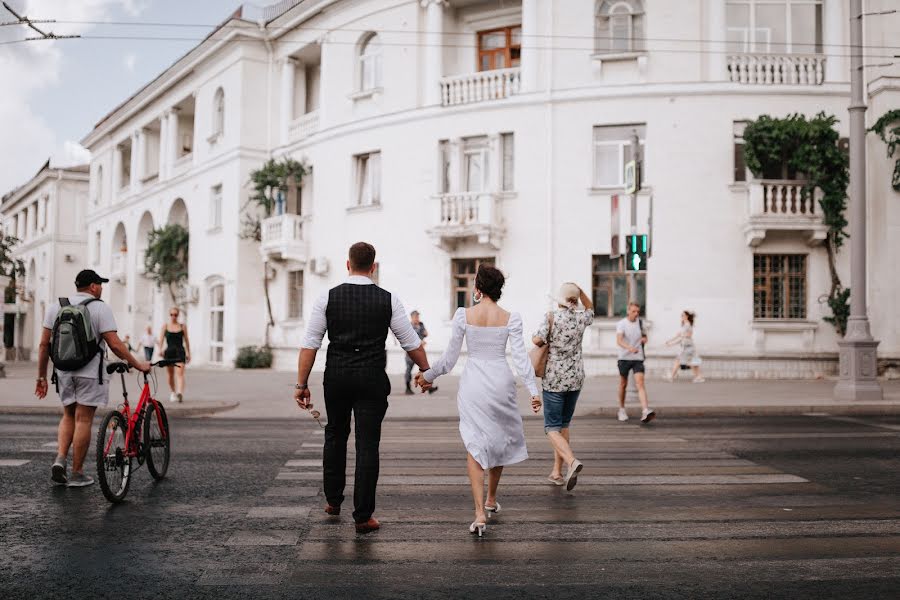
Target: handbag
[[539, 354]]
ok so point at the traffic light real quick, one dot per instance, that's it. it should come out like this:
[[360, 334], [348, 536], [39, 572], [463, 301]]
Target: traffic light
[[636, 247]]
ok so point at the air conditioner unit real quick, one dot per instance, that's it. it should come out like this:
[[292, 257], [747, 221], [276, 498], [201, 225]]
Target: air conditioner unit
[[319, 265]]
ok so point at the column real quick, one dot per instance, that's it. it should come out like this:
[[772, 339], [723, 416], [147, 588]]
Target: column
[[454, 154], [135, 177], [495, 166], [172, 149], [434, 53], [163, 138], [299, 105], [833, 40], [116, 173], [530, 48], [287, 98], [716, 59]]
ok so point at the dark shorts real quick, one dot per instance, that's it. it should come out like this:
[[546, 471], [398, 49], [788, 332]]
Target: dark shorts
[[558, 409], [630, 365], [174, 354]]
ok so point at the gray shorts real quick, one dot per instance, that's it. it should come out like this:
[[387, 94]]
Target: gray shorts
[[87, 391]]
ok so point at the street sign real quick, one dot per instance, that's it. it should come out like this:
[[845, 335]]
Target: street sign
[[631, 180], [636, 247], [614, 228]]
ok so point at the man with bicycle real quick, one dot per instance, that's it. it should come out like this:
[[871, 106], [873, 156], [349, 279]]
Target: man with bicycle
[[84, 389]]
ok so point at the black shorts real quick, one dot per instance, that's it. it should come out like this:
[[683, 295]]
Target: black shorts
[[174, 353], [630, 365]]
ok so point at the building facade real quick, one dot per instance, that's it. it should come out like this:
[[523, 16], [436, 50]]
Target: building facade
[[451, 134], [47, 216]]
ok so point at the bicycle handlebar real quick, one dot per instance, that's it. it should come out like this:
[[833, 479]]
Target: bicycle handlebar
[[122, 367]]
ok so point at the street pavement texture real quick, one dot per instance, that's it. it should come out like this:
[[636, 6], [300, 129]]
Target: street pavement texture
[[752, 507]]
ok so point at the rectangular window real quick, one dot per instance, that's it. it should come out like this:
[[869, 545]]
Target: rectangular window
[[612, 150], [777, 27], [215, 207], [368, 179], [611, 289], [217, 323], [476, 164], [740, 166], [463, 279], [499, 48], [779, 286], [444, 147], [506, 140], [295, 294], [96, 247]]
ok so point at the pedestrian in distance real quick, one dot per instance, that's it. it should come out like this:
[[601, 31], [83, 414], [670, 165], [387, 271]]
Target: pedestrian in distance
[[148, 344], [489, 420], [77, 331], [563, 329], [127, 341], [357, 316], [175, 345], [687, 358], [422, 332], [631, 339]]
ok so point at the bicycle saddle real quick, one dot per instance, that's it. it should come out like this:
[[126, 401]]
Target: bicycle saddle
[[116, 367]]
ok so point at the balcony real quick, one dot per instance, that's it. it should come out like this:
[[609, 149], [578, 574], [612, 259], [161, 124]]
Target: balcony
[[776, 205], [119, 267], [282, 238], [304, 126], [776, 69], [480, 87], [468, 215]]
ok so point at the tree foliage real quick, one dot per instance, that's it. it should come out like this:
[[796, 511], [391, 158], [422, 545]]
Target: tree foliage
[[274, 175], [891, 137], [809, 147], [166, 260], [9, 265]]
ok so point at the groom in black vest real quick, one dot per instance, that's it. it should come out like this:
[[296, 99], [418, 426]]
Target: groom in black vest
[[357, 315]]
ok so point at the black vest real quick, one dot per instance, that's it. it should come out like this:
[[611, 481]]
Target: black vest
[[358, 318]]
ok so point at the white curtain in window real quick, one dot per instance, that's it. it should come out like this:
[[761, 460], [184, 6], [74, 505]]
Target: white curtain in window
[[370, 63]]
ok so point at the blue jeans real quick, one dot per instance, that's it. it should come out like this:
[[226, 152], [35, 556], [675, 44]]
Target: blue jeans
[[558, 409]]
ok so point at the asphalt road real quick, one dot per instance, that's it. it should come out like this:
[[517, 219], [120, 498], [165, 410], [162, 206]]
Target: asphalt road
[[758, 507]]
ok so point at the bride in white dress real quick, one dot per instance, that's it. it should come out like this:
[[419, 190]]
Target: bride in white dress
[[489, 419]]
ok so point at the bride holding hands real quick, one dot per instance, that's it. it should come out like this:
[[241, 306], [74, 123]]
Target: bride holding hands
[[489, 419]]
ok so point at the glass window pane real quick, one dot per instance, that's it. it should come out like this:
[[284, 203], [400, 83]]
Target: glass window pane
[[620, 296], [474, 173], [493, 40], [607, 167], [737, 19], [806, 28], [620, 26], [601, 299], [770, 34], [515, 36]]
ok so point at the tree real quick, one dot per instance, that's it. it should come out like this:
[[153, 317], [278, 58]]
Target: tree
[[11, 268], [267, 181], [166, 260]]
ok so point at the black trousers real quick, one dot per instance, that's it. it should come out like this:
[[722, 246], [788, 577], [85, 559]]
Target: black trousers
[[362, 392]]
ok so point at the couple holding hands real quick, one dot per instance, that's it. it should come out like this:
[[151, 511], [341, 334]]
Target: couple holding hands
[[357, 316]]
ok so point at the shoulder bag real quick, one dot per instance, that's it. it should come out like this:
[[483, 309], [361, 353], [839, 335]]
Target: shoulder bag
[[539, 354]]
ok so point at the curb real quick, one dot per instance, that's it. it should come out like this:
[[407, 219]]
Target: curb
[[870, 410], [171, 410]]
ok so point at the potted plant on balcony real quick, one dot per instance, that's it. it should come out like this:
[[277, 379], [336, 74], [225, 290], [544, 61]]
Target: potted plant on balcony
[[267, 181], [11, 268]]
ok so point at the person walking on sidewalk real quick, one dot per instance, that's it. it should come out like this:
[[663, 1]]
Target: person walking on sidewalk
[[148, 343], [630, 338], [357, 315], [687, 358], [83, 389], [563, 329], [175, 345], [419, 327]]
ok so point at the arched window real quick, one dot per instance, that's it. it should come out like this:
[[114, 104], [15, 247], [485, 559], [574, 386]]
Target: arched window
[[218, 113], [370, 63], [98, 185], [619, 26]]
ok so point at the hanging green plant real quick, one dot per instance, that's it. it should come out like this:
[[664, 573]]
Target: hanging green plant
[[166, 260], [9, 265], [799, 146], [891, 137], [268, 181]]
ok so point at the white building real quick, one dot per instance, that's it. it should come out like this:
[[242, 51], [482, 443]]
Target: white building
[[47, 216], [450, 133]]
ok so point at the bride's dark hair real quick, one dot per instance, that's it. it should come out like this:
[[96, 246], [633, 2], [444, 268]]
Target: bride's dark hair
[[489, 281]]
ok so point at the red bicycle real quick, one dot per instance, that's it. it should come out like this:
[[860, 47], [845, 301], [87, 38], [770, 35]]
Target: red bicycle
[[125, 436]]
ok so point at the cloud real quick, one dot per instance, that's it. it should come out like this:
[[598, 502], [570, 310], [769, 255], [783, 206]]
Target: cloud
[[33, 68], [129, 61]]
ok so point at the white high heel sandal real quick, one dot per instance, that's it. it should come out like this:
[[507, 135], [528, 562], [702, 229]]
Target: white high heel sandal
[[478, 528], [492, 510]]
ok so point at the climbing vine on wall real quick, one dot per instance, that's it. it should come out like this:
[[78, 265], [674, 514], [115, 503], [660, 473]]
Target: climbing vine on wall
[[891, 137], [809, 147]]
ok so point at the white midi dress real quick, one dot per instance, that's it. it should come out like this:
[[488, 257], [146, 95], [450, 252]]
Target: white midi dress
[[489, 419]]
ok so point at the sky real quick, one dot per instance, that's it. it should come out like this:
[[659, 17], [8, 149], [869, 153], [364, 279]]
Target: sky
[[54, 92]]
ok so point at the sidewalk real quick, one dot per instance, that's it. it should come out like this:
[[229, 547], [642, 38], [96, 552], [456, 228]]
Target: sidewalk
[[257, 394]]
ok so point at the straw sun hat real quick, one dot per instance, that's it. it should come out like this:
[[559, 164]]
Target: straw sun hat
[[568, 295]]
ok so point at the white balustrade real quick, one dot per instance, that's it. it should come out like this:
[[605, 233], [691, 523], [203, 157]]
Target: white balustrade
[[480, 86], [782, 198], [468, 208], [282, 235], [304, 126], [777, 69]]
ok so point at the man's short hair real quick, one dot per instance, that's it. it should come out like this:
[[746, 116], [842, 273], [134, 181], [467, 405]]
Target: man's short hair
[[630, 304], [362, 256]]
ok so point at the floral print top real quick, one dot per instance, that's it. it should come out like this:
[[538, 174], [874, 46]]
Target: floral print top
[[565, 365]]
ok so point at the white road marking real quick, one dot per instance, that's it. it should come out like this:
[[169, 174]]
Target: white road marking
[[304, 462], [269, 512], [13, 462]]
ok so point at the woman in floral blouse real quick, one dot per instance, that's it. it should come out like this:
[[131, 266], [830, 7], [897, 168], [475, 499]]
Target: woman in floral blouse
[[564, 376]]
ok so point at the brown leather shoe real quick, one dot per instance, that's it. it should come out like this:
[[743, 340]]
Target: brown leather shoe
[[332, 510], [368, 527]]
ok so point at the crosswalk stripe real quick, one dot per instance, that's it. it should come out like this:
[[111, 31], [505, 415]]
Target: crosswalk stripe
[[13, 462]]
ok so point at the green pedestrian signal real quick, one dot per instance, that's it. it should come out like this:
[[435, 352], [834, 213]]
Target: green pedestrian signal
[[636, 247]]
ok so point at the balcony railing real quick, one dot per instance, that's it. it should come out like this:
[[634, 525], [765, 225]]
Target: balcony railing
[[304, 126], [480, 86], [282, 237], [777, 69], [468, 215], [783, 205]]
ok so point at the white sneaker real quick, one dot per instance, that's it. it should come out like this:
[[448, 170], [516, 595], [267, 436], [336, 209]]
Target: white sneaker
[[622, 415], [699, 380], [173, 397], [647, 415]]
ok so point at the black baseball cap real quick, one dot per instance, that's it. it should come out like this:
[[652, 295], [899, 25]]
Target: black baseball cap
[[87, 277]]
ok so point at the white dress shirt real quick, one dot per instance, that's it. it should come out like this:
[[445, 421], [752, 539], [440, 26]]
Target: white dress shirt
[[400, 325]]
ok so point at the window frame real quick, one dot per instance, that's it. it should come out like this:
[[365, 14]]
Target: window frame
[[214, 309], [605, 11], [751, 31], [215, 207], [768, 310], [456, 275], [218, 125], [367, 178], [506, 51], [620, 273], [507, 158], [295, 295], [476, 146], [369, 61], [622, 154]]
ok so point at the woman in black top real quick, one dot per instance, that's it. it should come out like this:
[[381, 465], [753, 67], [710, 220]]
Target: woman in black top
[[173, 340]]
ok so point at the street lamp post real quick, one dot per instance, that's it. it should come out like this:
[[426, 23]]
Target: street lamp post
[[858, 368], [631, 392]]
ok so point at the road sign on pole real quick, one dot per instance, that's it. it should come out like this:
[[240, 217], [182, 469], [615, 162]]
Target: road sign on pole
[[631, 180]]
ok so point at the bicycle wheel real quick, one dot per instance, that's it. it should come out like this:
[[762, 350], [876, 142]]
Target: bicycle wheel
[[156, 440], [113, 464]]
